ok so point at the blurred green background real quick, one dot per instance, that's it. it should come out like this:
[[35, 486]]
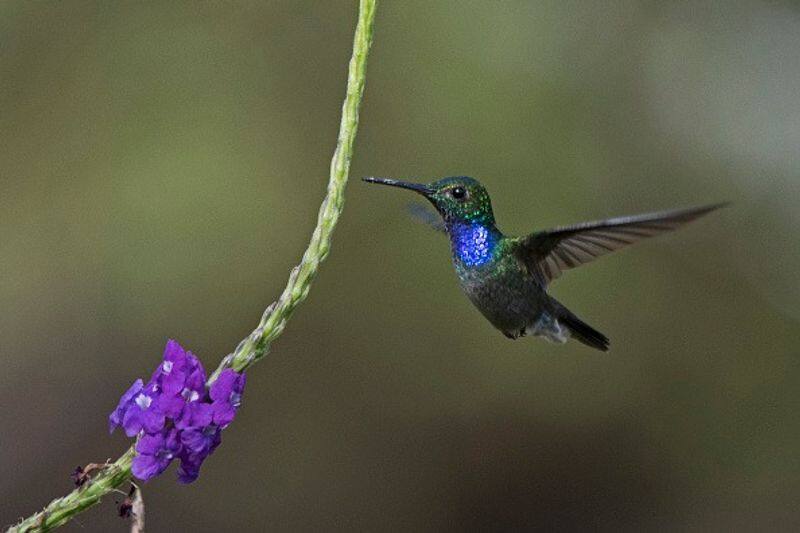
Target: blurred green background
[[161, 168]]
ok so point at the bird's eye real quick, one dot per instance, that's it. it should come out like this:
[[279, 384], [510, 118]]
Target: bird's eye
[[459, 193]]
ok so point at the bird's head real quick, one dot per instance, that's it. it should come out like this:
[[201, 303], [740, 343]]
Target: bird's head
[[457, 199]]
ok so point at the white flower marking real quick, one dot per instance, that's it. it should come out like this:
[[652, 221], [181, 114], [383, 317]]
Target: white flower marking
[[143, 401]]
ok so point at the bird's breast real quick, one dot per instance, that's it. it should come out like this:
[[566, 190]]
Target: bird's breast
[[502, 290]]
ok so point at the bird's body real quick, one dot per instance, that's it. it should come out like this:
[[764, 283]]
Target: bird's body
[[498, 284], [506, 278]]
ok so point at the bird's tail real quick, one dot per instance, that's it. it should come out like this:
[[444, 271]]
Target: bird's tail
[[580, 329]]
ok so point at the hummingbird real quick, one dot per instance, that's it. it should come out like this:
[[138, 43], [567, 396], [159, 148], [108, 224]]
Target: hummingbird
[[507, 278]]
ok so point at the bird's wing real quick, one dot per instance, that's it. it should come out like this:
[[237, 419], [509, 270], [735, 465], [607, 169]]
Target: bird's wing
[[548, 253], [426, 216]]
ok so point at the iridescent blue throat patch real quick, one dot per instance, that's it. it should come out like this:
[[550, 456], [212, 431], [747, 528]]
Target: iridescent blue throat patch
[[473, 244]]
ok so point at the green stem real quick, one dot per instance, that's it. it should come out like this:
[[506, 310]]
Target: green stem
[[256, 345], [274, 319]]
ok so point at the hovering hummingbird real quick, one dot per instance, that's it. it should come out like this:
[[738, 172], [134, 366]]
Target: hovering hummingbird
[[506, 278]]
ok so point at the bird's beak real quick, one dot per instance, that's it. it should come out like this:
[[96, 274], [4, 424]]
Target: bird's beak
[[421, 188]]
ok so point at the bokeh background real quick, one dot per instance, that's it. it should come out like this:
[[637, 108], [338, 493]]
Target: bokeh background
[[161, 168]]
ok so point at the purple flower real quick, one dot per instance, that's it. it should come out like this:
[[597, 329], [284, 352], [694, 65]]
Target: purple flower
[[226, 394], [202, 440], [138, 410], [180, 370], [115, 418], [195, 414], [154, 453], [175, 417], [198, 443], [190, 467]]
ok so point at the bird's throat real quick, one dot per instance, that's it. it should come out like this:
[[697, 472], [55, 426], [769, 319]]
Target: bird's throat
[[474, 244]]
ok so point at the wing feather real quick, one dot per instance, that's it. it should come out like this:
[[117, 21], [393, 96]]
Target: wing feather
[[427, 217], [548, 253]]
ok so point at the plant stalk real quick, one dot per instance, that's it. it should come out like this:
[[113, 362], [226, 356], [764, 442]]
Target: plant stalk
[[257, 344]]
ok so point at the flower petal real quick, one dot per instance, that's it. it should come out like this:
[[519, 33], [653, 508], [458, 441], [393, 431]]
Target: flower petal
[[224, 413], [195, 415], [150, 444], [147, 467], [116, 417], [222, 388], [190, 468]]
